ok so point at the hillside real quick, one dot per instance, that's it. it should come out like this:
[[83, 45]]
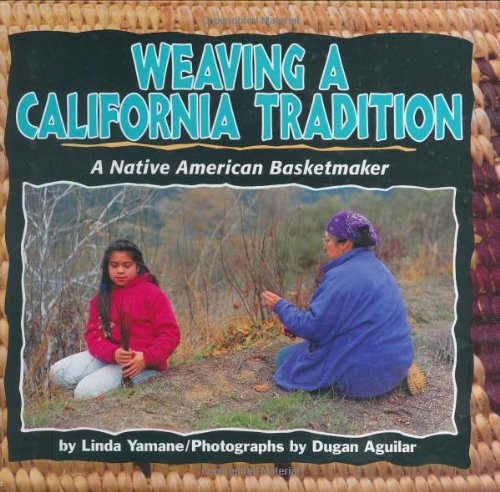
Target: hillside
[[236, 389]]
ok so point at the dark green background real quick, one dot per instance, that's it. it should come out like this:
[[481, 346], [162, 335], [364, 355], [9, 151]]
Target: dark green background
[[101, 62]]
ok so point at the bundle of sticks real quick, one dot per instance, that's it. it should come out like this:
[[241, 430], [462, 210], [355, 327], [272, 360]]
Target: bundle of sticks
[[125, 328], [268, 278]]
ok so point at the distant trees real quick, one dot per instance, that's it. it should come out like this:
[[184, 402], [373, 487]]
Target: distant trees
[[412, 224]]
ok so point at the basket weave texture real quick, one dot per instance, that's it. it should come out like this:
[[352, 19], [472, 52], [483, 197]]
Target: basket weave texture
[[477, 21]]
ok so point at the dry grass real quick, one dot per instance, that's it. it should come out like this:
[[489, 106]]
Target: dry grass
[[425, 266]]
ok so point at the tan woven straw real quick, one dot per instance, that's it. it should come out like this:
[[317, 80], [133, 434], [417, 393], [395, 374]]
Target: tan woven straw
[[416, 380]]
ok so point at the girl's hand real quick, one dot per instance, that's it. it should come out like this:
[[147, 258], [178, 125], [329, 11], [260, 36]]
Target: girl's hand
[[270, 299], [135, 365], [122, 356]]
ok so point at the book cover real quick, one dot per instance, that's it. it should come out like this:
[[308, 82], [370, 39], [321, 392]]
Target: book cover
[[225, 159]]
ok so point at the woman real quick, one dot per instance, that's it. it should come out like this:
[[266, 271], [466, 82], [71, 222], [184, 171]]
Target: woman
[[357, 339]]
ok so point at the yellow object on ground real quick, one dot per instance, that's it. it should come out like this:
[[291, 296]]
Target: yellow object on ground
[[416, 380]]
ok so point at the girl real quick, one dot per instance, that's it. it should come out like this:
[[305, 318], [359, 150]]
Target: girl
[[131, 330]]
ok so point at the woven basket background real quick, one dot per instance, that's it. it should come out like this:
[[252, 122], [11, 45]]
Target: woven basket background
[[477, 21]]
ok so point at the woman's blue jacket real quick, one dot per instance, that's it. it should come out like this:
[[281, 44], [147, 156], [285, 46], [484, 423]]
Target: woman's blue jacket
[[357, 338]]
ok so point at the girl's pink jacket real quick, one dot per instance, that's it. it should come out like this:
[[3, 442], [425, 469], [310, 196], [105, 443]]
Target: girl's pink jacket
[[153, 327]]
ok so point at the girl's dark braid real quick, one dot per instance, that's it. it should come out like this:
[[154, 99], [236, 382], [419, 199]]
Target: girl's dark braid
[[104, 296]]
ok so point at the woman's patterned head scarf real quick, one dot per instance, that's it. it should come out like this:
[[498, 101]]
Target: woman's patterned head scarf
[[347, 224]]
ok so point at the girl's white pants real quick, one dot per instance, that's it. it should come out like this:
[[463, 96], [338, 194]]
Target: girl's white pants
[[89, 376]]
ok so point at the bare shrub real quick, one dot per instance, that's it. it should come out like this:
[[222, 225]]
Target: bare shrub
[[67, 230]]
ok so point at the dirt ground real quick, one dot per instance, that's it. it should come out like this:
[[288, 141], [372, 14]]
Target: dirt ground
[[236, 390]]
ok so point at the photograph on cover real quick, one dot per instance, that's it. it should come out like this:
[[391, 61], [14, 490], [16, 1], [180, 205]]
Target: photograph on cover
[[222, 257]]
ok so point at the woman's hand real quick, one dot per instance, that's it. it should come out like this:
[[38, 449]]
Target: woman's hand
[[287, 333], [122, 356], [135, 365], [270, 299]]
